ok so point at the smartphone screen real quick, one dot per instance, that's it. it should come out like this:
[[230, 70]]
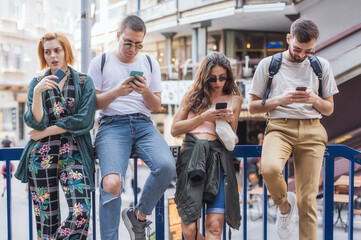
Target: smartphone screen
[[301, 88], [60, 74], [133, 73], [221, 105]]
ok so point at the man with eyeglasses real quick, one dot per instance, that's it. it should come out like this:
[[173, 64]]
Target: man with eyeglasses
[[293, 110], [125, 104]]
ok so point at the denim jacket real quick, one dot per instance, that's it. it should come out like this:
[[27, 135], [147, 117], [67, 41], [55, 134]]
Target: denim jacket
[[77, 125], [198, 179]]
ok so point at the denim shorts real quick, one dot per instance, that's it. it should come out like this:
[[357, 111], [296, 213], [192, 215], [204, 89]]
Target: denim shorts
[[218, 206]]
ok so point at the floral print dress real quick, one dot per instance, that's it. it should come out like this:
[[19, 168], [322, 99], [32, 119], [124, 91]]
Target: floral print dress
[[57, 159]]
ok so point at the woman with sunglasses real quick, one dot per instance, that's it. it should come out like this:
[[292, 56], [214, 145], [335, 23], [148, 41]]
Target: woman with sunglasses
[[61, 114], [204, 166]]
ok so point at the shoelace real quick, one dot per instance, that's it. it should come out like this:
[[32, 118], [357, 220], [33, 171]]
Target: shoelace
[[139, 231], [284, 223], [148, 229]]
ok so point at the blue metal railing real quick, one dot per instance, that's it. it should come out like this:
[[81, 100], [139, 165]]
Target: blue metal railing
[[7, 154], [331, 152], [353, 156], [12, 154]]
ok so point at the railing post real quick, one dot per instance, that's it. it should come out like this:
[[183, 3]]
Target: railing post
[[328, 177], [203, 219], [8, 196], [224, 230], [94, 213], [285, 173], [159, 219], [30, 201], [244, 175], [350, 200], [265, 200], [135, 181]]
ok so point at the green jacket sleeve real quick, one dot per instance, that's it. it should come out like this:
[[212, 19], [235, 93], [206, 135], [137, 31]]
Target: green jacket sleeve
[[82, 121], [22, 169], [28, 116]]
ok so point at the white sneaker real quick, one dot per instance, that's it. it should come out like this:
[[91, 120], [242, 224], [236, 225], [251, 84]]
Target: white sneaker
[[286, 223]]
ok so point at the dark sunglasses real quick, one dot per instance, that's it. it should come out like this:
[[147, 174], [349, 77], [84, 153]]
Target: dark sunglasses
[[130, 44], [214, 79]]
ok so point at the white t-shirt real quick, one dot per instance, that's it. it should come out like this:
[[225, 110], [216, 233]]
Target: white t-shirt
[[290, 76], [115, 71]]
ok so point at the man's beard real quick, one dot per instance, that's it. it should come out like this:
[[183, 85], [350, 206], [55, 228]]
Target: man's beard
[[295, 58]]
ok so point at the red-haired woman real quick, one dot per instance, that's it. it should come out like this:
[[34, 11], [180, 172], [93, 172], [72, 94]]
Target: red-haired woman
[[61, 114]]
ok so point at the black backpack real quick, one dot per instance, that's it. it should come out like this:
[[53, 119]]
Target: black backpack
[[103, 62], [276, 64]]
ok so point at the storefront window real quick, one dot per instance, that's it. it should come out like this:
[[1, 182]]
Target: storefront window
[[276, 42], [6, 56], [18, 58], [39, 14], [5, 5]]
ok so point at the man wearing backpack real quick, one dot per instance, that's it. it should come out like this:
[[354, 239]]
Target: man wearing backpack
[[126, 103], [293, 109]]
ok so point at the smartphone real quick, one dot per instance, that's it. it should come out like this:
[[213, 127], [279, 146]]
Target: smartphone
[[221, 105], [301, 88], [133, 73], [60, 74]]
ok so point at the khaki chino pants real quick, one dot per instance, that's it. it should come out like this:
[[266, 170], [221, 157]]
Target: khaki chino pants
[[306, 139]]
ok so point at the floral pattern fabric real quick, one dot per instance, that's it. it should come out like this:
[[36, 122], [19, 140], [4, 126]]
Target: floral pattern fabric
[[55, 160]]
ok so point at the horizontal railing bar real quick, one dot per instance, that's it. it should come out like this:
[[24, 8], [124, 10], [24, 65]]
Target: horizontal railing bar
[[343, 151]]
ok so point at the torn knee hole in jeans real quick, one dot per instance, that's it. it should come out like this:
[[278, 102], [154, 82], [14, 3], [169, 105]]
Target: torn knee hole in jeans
[[113, 186]]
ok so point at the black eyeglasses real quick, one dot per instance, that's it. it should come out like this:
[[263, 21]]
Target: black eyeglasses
[[130, 44], [214, 79]]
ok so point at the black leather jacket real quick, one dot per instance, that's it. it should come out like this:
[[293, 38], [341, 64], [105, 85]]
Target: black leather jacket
[[198, 179]]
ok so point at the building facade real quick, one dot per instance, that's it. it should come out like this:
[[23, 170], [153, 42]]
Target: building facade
[[180, 33], [22, 23]]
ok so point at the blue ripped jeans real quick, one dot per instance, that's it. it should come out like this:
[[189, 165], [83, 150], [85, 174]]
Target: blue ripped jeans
[[116, 138]]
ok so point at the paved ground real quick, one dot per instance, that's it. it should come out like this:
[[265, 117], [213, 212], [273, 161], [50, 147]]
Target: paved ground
[[20, 216]]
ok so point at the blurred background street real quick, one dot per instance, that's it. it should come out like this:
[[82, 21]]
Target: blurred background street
[[179, 34]]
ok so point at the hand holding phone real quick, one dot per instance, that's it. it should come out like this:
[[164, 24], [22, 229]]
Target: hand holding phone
[[60, 74], [301, 88], [221, 105], [133, 73]]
